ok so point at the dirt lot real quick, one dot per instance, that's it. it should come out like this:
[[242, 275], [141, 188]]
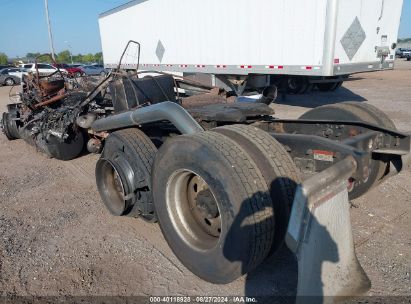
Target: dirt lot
[[56, 237]]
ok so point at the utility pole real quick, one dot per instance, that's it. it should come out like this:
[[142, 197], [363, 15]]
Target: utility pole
[[70, 51], [49, 27]]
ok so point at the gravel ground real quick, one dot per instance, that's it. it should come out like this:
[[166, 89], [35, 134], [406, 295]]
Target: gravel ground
[[56, 237]]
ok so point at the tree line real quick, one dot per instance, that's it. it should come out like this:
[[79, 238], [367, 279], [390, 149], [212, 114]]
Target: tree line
[[62, 57], [3, 58], [66, 57]]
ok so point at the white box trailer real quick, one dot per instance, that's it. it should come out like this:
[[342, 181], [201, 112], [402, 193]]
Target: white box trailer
[[323, 38]]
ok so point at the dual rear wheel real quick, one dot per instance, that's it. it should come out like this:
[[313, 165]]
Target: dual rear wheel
[[302, 85], [222, 197]]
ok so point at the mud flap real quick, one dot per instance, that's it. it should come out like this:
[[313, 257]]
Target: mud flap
[[320, 235]]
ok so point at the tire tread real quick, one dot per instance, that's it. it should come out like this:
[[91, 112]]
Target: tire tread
[[250, 178]]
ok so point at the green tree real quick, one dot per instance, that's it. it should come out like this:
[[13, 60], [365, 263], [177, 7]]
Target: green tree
[[3, 58], [98, 57], [63, 57], [88, 58], [77, 58], [32, 56]]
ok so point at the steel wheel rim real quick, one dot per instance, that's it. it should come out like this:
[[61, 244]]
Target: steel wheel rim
[[193, 210], [113, 188], [9, 82]]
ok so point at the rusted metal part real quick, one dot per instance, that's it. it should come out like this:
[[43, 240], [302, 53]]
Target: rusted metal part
[[102, 135], [51, 87], [40, 90], [218, 91], [52, 100], [202, 100]]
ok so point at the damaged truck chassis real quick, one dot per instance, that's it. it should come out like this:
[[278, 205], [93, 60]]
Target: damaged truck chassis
[[218, 175]]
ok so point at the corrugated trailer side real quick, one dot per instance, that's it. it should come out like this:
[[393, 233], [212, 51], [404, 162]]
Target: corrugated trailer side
[[220, 37], [294, 44]]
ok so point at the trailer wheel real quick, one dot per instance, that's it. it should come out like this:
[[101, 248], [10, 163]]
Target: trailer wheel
[[278, 169], [213, 206], [9, 127], [123, 174], [355, 112], [297, 84]]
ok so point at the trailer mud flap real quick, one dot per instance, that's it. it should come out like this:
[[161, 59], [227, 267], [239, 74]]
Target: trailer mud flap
[[320, 235]]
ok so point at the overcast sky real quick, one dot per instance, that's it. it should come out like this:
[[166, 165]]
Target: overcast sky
[[23, 27]]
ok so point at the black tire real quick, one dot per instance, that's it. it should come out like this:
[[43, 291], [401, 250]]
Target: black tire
[[237, 195], [9, 127], [278, 169], [327, 86], [297, 84], [379, 116], [9, 81], [354, 112], [130, 154], [77, 75]]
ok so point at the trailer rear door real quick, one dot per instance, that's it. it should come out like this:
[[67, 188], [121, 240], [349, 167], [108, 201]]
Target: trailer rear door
[[366, 33]]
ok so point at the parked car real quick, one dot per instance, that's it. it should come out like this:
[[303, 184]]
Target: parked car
[[95, 69], [402, 52], [406, 54], [11, 76], [75, 65], [43, 68], [2, 66], [16, 71], [71, 70]]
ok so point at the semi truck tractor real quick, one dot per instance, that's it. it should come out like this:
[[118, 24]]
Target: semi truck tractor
[[229, 182], [247, 45]]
